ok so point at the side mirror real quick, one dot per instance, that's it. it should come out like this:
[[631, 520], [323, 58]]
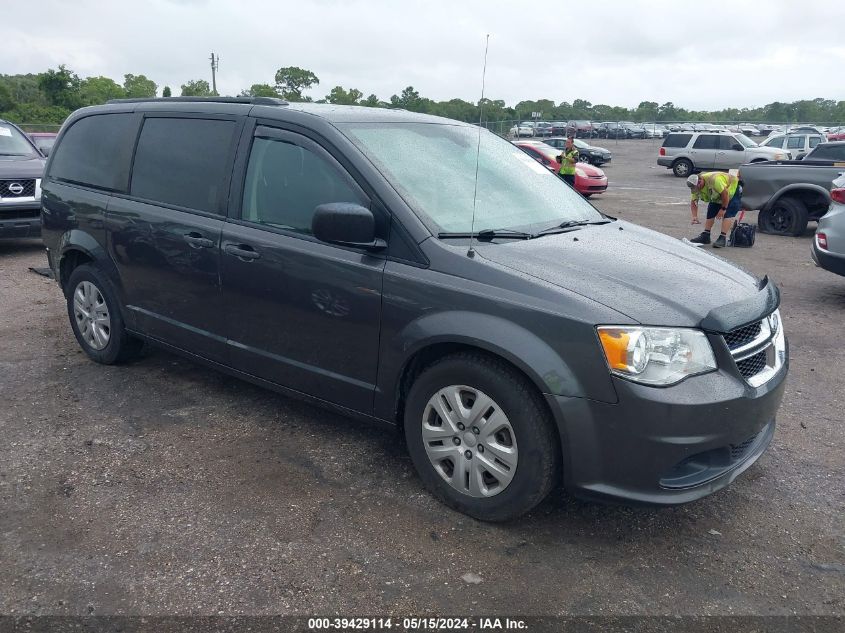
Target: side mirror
[[347, 224], [737, 147]]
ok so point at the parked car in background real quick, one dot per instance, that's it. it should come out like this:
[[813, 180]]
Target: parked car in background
[[588, 153], [589, 180], [837, 134], [43, 141], [542, 128], [796, 145], [652, 130], [21, 168], [520, 130], [828, 248], [579, 129], [806, 129], [748, 129], [788, 194], [688, 152], [612, 129], [830, 151], [634, 130], [559, 128]]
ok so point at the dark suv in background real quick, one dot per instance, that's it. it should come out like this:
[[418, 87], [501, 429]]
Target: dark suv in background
[[21, 167], [466, 296]]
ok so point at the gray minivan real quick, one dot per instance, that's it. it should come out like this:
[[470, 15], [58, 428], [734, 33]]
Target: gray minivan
[[420, 272]]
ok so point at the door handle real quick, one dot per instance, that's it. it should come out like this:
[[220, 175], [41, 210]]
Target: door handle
[[198, 241], [242, 251]]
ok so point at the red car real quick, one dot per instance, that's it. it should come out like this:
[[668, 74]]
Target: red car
[[588, 179], [838, 135], [43, 141]]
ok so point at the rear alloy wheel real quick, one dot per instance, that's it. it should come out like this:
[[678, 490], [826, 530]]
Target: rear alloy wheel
[[787, 216], [682, 168], [480, 437]]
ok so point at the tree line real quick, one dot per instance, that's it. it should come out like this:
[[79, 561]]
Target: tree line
[[49, 97]]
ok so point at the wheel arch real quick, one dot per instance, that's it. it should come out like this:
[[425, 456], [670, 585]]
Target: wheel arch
[[812, 196], [435, 336]]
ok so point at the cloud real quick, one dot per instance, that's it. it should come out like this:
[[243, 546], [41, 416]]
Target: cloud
[[703, 56]]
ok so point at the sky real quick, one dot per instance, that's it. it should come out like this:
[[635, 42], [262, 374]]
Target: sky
[[699, 55]]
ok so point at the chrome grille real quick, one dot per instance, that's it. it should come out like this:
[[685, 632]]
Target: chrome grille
[[752, 365], [17, 188], [742, 336]]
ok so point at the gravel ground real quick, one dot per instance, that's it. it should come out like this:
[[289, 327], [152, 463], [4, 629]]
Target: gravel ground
[[162, 487]]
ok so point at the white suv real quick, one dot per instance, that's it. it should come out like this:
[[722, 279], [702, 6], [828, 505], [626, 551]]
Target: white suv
[[687, 152]]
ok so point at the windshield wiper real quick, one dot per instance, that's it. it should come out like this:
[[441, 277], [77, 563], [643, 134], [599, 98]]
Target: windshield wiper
[[489, 234], [571, 224]]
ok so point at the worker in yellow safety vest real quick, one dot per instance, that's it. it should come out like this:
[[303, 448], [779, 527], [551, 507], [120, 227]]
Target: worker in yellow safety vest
[[567, 161], [723, 195]]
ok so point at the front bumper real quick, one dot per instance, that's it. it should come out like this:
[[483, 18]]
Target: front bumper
[[20, 219], [666, 445]]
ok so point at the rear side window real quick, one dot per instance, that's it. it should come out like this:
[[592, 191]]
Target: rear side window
[[706, 141], [96, 151], [677, 140], [183, 162]]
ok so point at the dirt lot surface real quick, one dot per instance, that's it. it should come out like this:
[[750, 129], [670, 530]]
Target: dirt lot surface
[[162, 487]]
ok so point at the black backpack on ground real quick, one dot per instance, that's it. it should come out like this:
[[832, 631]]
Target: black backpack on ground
[[743, 234]]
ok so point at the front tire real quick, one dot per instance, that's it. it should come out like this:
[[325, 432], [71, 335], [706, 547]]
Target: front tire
[[481, 438], [96, 319], [682, 168]]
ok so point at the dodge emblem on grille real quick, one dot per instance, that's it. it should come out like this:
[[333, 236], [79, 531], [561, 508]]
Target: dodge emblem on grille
[[15, 188]]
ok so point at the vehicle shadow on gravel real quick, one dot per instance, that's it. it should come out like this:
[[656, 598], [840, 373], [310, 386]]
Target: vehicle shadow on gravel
[[355, 460]]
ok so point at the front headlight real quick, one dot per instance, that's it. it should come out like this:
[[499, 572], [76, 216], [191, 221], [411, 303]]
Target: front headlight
[[655, 355], [580, 172]]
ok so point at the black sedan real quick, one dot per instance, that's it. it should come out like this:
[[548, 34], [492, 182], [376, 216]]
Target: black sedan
[[587, 153]]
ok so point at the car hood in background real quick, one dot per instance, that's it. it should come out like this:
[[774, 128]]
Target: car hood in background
[[650, 277], [12, 167]]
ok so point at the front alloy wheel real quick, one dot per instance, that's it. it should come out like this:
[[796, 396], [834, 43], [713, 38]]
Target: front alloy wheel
[[92, 315], [469, 441]]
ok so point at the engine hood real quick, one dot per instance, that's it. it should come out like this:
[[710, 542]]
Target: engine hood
[[766, 151], [650, 277], [12, 167]]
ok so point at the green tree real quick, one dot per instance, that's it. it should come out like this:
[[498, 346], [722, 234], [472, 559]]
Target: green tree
[[139, 87], [291, 81], [260, 90], [97, 90], [646, 111], [196, 88], [61, 87], [6, 101], [372, 102], [344, 97], [409, 99], [166, 92]]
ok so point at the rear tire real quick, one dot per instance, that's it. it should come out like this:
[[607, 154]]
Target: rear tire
[[504, 460], [787, 216], [682, 168], [96, 319]]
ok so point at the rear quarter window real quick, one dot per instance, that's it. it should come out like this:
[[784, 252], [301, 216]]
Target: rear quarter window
[[96, 151], [677, 140]]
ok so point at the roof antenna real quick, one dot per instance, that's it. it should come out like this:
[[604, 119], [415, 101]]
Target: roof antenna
[[470, 252]]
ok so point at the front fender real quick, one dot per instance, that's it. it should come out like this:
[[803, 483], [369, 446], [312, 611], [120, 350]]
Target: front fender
[[545, 367]]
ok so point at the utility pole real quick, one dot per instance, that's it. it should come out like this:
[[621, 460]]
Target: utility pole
[[215, 64]]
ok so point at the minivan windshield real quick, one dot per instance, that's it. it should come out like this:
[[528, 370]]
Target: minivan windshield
[[13, 143], [433, 167]]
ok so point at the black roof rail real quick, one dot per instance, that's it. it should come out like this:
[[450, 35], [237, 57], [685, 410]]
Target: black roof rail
[[249, 100]]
